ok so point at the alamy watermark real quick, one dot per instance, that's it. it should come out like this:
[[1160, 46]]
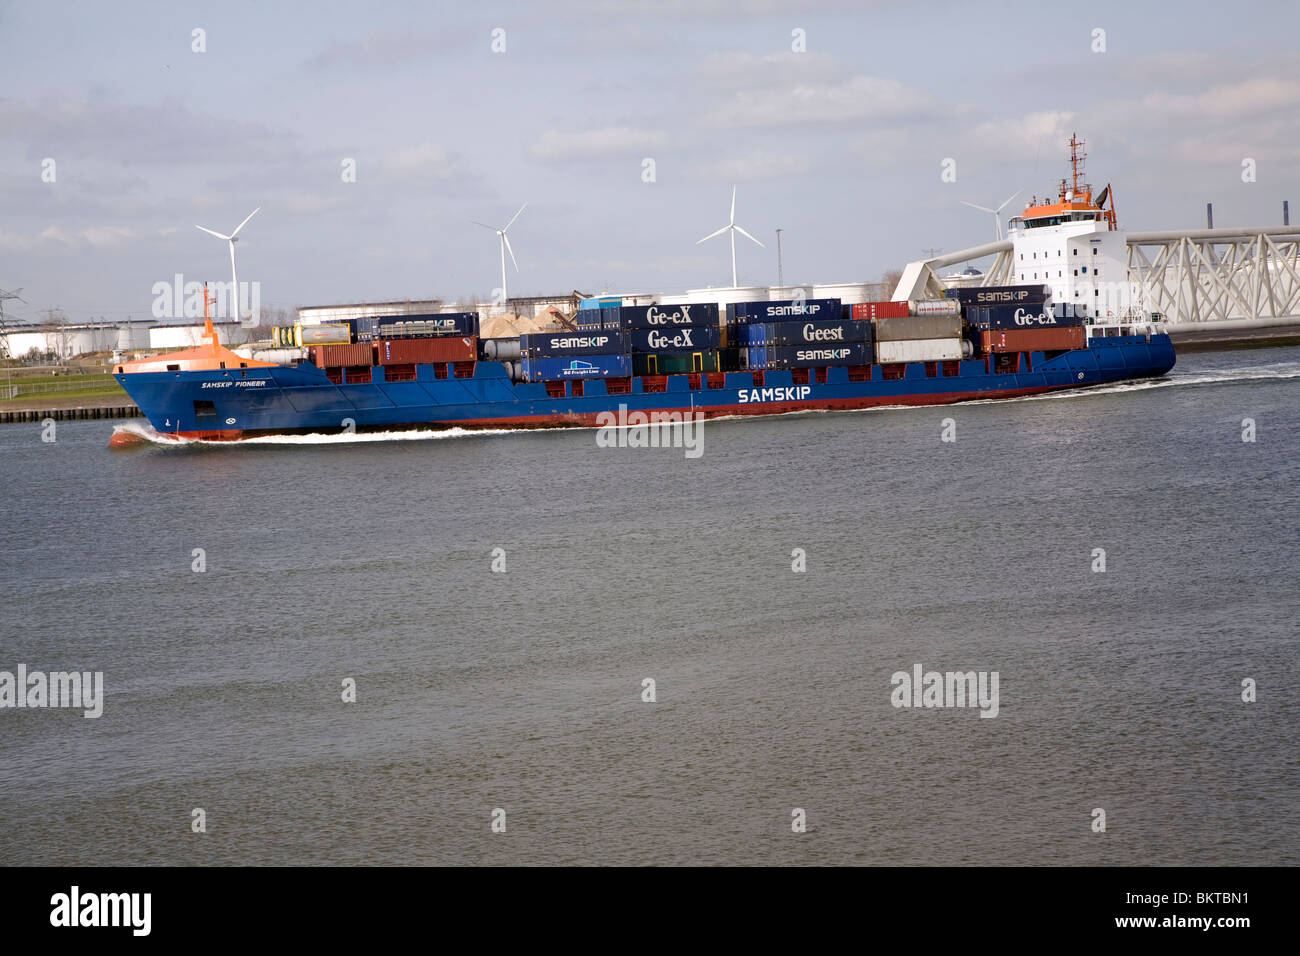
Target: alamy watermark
[[922, 688], [179, 299], [73, 689], [657, 429]]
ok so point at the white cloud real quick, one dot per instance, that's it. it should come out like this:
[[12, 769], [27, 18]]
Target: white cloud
[[752, 167], [1236, 100], [554, 145], [425, 163], [736, 71], [1022, 135], [107, 236], [857, 99]]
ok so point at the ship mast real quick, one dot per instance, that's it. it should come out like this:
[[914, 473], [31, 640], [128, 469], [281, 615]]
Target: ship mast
[[1077, 156]]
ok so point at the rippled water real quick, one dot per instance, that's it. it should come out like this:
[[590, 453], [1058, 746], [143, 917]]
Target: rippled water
[[333, 558]]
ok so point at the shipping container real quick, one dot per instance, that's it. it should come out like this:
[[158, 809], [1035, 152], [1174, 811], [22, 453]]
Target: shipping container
[[1034, 340], [332, 356], [674, 363], [827, 331], [805, 356], [555, 369], [1020, 317], [424, 351], [595, 342], [918, 327], [427, 324], [982, 295], [881, 310], [668, 316], [679, 339], [776, 310], [601, 302], [935, 307], [304, 335], [918, 350]]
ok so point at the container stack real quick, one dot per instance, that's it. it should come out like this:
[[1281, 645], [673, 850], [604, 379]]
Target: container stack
[[794, 344], [672, 339], [918, 338], [558, 356], [738, 341], [1021, 319]]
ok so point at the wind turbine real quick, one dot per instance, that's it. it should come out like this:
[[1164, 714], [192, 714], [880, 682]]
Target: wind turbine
[[997, 213], [234, 279], [733, 229], [505, 247]]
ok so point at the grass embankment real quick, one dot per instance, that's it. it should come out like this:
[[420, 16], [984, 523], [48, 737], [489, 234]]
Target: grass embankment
[[94, 390]]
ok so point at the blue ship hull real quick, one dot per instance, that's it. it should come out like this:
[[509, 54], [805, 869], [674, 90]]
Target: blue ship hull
[[234, 403]]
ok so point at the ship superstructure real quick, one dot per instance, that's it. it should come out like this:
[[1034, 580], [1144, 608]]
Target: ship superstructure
[[1074, 246]]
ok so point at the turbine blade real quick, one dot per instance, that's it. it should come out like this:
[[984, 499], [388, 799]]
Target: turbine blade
[[712, 234], [483, 224], [513, 218], [245, 222], [506, 240], [733, 205], [211, 233], [980, 208], [747, 235], [1009, 198]]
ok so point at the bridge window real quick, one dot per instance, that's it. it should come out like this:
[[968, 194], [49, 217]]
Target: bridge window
[[1076, 252], [1094, 250]]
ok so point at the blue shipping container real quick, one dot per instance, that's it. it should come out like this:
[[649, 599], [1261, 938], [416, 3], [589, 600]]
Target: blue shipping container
[[666, 316], [779, 310], [1035, 316], [437, 323], [992, 295], [601, 302], [597, 342], [813, 331], [681, 339], [553, 369], [806, 356]]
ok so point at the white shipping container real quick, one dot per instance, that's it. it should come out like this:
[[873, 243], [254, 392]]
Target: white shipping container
[[935, 307], [323, 334], [918, 350]]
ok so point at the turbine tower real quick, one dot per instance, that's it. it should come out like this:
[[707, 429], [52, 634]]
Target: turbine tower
[[505, 247], [733, 229], [997, 213], [234, 279]]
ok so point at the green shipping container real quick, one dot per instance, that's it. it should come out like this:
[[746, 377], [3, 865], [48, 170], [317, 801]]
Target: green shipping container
[[674, 363]]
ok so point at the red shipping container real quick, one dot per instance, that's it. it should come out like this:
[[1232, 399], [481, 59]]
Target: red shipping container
[[1034, 340], [880, 310], [427, 351], [329, 356]]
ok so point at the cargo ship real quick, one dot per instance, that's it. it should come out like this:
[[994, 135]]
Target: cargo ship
[[701, 359]]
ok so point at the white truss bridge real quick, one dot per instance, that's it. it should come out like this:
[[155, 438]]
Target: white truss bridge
[[1246, 277]]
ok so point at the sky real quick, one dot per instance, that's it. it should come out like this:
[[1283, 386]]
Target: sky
[[833, 121]]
